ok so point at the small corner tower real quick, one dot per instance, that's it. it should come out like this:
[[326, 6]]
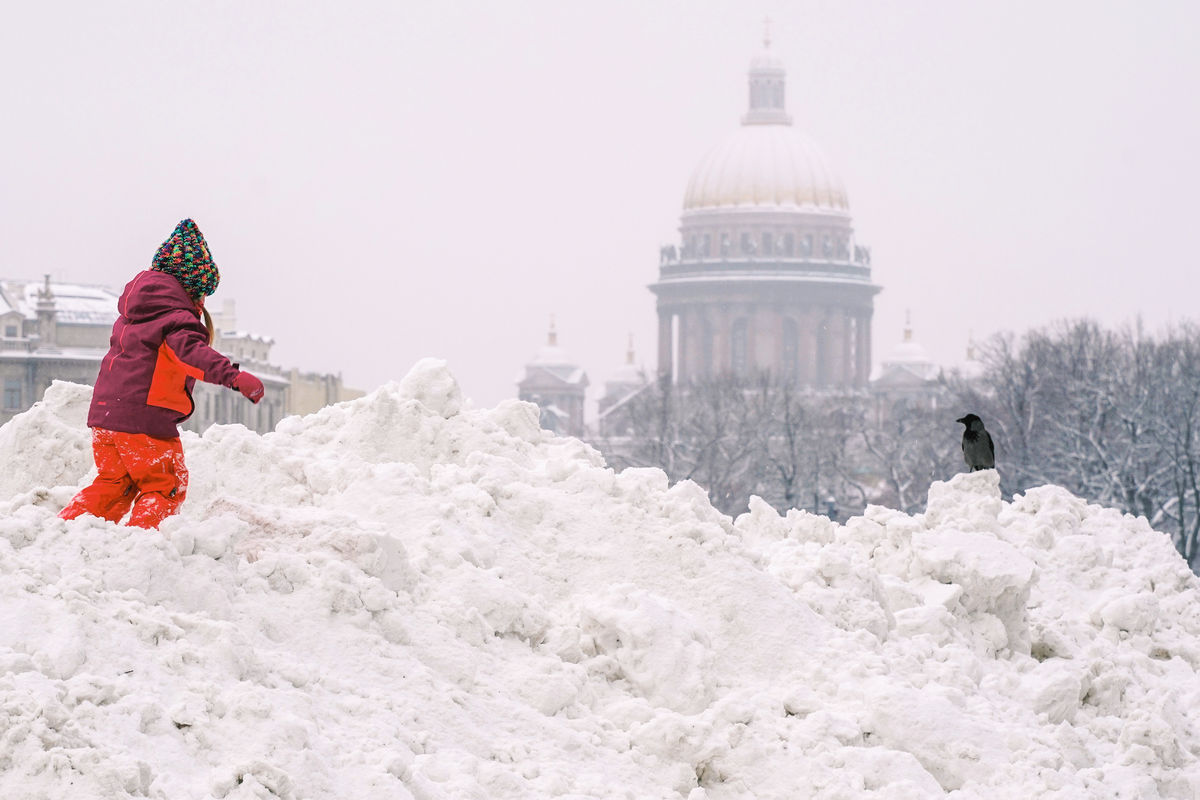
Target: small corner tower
[[626, 382], [908, 377], [557, 386]]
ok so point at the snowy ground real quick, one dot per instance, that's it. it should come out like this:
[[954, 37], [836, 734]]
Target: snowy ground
[[402, 597]]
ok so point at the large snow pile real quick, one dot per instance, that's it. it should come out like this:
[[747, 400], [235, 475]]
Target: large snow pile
[[404, 597]]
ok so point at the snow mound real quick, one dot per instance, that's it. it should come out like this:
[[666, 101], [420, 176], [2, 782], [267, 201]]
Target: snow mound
[[406, 597]]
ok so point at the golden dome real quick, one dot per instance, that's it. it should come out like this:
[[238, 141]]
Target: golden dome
[[765, 166]]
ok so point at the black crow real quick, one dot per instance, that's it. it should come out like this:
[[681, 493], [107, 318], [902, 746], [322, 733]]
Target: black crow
[[978, 450]]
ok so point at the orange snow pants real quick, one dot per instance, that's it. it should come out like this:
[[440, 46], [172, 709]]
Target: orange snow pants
[[136, 471]]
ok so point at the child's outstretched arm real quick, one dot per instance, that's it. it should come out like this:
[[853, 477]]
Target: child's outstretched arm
[[188, 342]]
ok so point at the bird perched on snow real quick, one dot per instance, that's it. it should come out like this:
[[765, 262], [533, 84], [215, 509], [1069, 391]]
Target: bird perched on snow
[[978, 450]]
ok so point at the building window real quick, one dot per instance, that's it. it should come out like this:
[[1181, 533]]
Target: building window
[[737, 346], [10, 332], [12, 395]]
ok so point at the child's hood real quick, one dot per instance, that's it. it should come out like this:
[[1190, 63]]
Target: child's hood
[[151, 294]]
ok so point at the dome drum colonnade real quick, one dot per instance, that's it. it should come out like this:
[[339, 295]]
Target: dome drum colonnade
[[768, 275]]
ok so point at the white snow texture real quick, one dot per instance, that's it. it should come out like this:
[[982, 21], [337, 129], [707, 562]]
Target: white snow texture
[[406, 597]]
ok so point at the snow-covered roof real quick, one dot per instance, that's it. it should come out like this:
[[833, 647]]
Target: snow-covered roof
[[904, 374], [908, 358], [632, 393], [567, 373], [970, 369], [627, 374], [551, 355], [909, 353], [254, 337], [74, 303], [55, 354]]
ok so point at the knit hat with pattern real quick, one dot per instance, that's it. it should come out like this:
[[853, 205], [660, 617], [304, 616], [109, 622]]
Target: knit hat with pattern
[[184, 255]]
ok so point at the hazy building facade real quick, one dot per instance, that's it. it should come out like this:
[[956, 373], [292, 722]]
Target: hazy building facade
[[50, 331], [767, 274], [58, 331]]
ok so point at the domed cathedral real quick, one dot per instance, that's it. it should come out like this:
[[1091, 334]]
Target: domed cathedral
[[767, 276]]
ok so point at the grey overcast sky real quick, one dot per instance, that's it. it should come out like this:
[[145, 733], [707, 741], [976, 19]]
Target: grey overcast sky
[[383, 181]]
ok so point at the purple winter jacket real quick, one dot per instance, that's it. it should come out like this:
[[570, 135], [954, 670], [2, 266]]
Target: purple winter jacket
[[159, 348]]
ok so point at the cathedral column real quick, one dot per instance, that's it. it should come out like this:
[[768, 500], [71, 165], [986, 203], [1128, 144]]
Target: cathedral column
[[691, 337], [824, 349], [722, 334], [846, 362], [770, 350], [808, 347], [665, 348], [863, 351]]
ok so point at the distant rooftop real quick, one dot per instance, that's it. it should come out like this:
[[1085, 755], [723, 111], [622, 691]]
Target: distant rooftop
[[75, 304]]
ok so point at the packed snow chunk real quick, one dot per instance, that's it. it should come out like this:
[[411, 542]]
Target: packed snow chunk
[[935, 727], [654, 645], [1053, 509], [990, 579], [890, 773], [48, 445], [430, 383], [970, 500], [1057, 687], [1136, 613]]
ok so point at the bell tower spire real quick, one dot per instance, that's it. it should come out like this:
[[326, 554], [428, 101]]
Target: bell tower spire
[[767, 87]]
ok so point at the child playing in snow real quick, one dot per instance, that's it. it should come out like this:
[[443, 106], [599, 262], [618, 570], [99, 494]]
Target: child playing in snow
[[159, 348]]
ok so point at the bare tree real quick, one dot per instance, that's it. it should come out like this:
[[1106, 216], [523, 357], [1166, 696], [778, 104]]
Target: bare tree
[[911, 448], [743, 435], [708, 431], [1175, 431], [1114, 416]]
